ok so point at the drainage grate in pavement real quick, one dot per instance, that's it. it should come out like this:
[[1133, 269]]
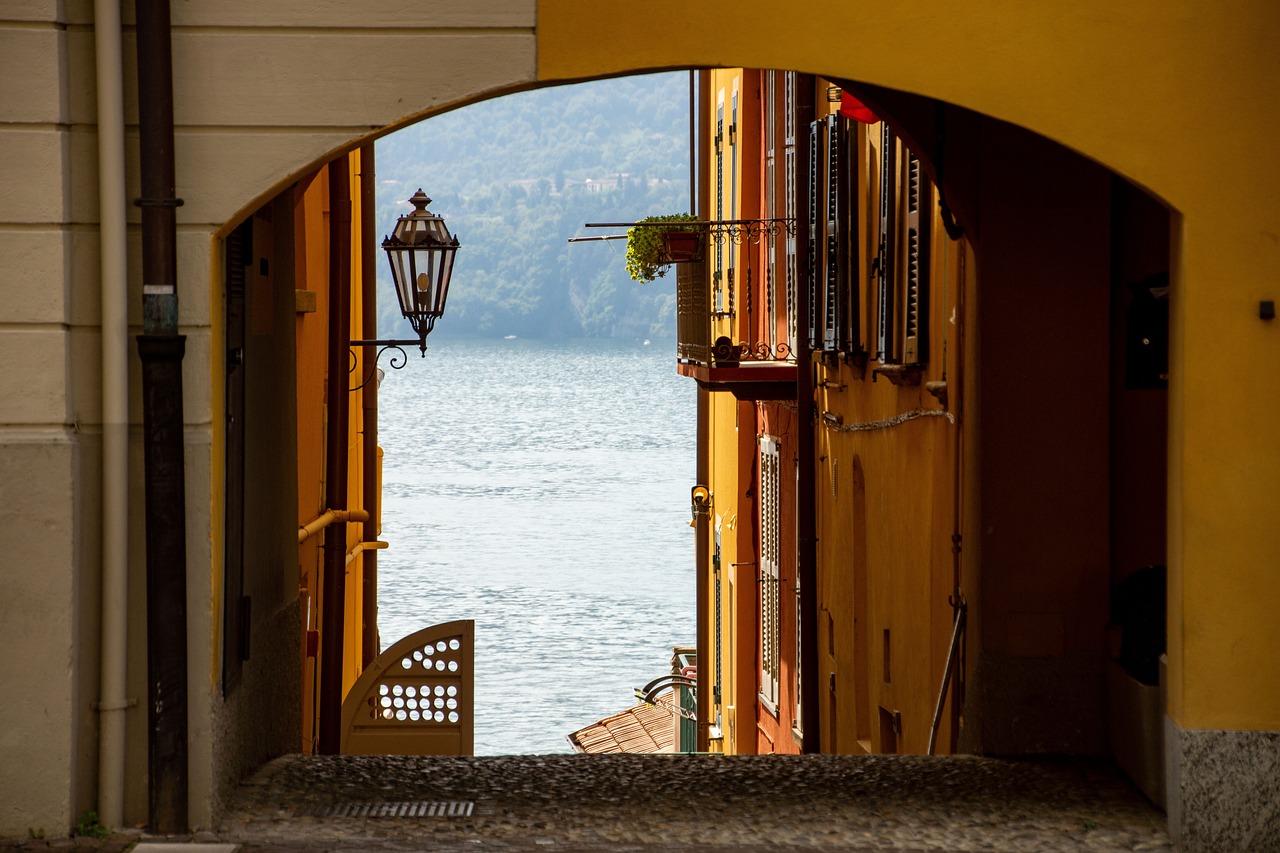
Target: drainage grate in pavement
[[421, 808]]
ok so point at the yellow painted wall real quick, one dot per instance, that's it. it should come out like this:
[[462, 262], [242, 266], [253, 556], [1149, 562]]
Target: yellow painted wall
[[311, 250], [886, 508], [1119, 84]]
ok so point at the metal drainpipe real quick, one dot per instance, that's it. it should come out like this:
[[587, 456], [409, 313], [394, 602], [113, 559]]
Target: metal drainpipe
[[806, 523], [112, 701], [161, 349], [369, 398], [699, 125], [333, 599]]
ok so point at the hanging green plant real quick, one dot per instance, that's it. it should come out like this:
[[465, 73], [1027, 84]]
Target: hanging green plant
[[647, 258]]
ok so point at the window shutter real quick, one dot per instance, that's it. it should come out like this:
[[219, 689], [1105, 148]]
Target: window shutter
[[850, 242], [817, 316], [789, 157], [718, 275], [915, 334], [770, 549], [841, 297], [771, 196], [798, 716], [886, 293]]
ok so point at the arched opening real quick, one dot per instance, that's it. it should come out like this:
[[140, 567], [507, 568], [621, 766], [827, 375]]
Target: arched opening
[[1014, 461]]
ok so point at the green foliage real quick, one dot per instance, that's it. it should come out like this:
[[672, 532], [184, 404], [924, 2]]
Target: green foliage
[[88, 826], [645, 247], [32, 832], [515, 177]]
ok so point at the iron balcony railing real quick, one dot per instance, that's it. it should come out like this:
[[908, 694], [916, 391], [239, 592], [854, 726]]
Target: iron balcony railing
[[696, 340]]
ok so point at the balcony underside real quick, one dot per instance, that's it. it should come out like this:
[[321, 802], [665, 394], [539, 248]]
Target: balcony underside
[[775, 380]]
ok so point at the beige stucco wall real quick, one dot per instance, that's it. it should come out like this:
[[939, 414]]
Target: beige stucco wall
[[262, 92], [266, 90]]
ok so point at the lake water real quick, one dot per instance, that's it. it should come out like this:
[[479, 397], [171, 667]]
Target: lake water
[[541, 489]]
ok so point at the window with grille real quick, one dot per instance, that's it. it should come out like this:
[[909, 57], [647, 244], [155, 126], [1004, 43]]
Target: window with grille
[[770, 552]]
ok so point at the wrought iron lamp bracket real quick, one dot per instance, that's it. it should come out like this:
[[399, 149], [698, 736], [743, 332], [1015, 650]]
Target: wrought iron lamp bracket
[[398, 359]]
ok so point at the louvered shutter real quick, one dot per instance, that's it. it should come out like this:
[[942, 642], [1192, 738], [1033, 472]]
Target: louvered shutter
[[789, 168], [718, 273], [850, 195], [770, 550], [771, 194], [886, 293], [841, 304], [817, 338], [915, 332]]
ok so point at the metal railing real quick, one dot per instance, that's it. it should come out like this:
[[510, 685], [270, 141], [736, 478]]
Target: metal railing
[[694, 323]]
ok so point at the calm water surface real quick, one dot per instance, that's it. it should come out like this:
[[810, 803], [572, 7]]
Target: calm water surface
[[541, 489]]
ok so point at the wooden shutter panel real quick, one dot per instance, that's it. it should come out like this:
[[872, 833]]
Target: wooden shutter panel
[[816, 314], [770, 551], [831, 267], [771, 201], [718, 272], [887, 295], [850, 182], [915, 333], [841, 298], [789, 190]]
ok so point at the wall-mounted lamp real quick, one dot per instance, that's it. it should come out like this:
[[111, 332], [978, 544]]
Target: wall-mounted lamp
[[700, 501], [420, 251]]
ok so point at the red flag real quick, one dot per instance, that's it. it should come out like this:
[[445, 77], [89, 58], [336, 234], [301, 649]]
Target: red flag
[[851, 107]]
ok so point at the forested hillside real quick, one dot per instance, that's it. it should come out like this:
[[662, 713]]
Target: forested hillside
[[516, 176]]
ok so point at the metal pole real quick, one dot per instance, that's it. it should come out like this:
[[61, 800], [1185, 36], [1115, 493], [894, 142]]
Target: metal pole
[[806, 522], [115, 415], [369, 399], [333, 598], [161, 349]]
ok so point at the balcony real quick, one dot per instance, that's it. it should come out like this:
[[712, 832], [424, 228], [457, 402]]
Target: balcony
[[748, 370]]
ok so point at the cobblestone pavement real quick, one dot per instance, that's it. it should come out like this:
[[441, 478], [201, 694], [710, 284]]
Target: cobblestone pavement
[[620, 802]]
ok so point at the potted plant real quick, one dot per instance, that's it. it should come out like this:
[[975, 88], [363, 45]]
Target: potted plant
[[650, 249]]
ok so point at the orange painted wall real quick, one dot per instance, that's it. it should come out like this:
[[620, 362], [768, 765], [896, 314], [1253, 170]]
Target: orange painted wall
[[311, 249]]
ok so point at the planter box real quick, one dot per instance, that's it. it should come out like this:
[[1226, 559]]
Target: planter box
[[681, 247]]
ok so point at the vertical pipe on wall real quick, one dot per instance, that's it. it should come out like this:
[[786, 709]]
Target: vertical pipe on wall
[[161, 348], [112, 702], [369, 399], [333, 595], [806, 521]]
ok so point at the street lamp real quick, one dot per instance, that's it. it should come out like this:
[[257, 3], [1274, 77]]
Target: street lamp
[[420, 251]]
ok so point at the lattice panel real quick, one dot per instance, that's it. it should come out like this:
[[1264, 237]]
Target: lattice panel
[[416, 698]]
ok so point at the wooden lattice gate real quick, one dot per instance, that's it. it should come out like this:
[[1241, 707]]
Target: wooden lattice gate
[[417, 697]]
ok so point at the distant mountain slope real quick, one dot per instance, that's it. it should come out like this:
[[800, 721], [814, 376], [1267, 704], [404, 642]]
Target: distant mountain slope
[[516, 176]]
